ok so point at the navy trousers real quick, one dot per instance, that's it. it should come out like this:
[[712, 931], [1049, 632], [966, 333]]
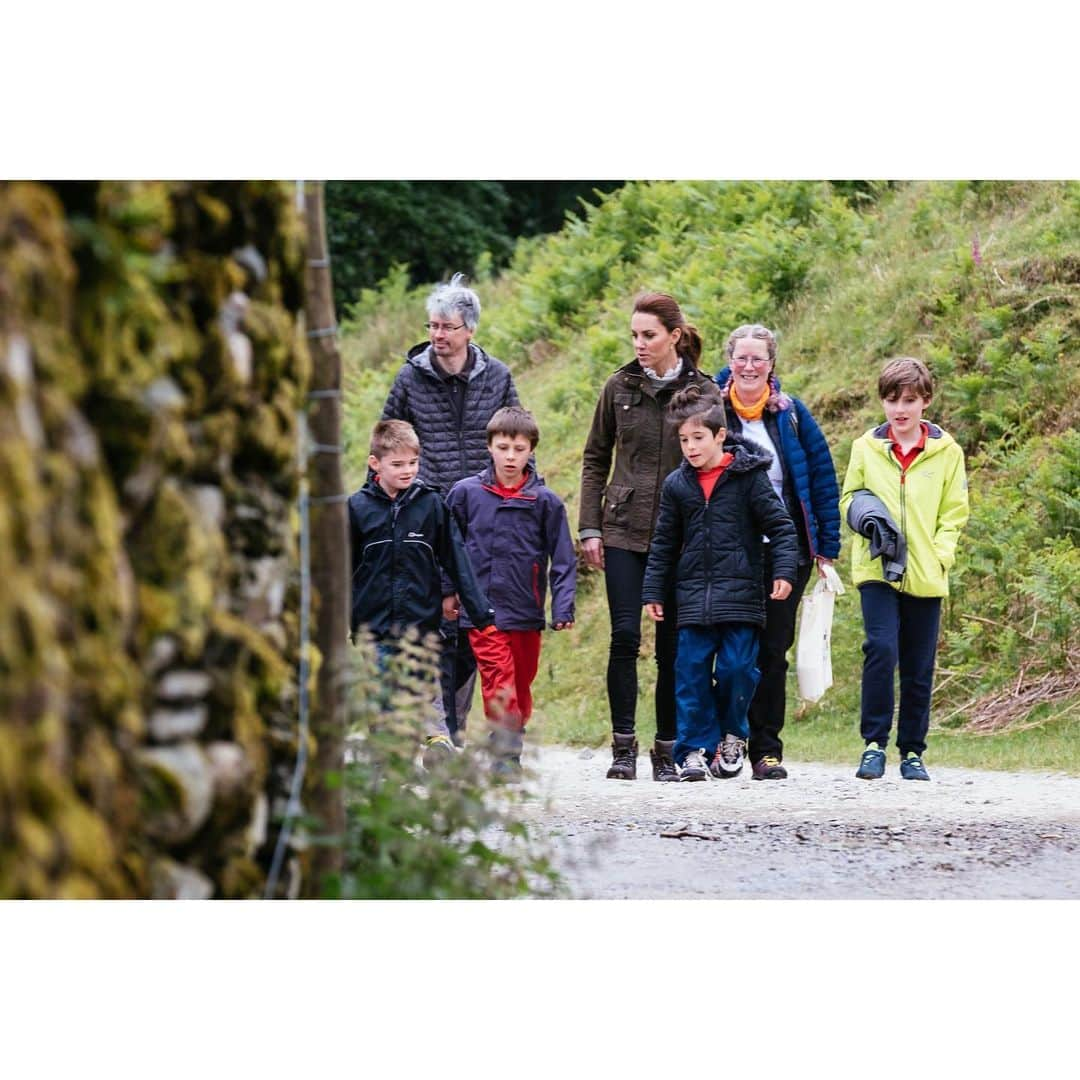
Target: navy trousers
[[901, 631]]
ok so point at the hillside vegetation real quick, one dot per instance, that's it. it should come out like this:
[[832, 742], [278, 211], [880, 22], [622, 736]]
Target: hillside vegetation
[[980, 279]]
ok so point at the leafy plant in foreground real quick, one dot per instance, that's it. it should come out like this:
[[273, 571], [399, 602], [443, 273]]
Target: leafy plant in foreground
[[446, 834]]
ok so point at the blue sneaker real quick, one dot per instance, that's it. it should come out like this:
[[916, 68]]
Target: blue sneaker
[[912, 768], [872, 763]]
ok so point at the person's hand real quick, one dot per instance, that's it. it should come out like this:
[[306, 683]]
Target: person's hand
[[822, 562], [450, 607], [781, 589], [594, 552], [563, 625], [656, 612]]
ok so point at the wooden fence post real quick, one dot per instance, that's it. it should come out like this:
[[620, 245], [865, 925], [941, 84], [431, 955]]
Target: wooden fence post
[[329, 541]]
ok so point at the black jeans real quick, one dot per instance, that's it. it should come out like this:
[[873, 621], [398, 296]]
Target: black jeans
[[902, 631], [624, 575], [768, 708], [457, 675]]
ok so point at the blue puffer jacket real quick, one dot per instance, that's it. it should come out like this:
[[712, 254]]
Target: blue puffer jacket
[[807, 463], [511, 541], [449, 450]]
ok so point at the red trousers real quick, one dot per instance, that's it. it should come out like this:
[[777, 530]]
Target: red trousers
[[507, 661]]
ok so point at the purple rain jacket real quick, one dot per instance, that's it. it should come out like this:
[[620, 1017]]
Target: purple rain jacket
[[510, 542]]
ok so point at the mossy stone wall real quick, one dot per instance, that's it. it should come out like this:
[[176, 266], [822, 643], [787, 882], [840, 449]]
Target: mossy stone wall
[[151, 368]]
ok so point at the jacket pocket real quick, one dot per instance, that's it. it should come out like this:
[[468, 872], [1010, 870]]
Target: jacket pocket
[[627, 412], [617, 504]]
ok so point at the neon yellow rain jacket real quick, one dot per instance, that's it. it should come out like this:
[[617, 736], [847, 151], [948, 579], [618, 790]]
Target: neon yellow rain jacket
[[929, 502]]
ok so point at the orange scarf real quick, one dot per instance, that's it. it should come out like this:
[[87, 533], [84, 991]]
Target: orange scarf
[[754, 411]]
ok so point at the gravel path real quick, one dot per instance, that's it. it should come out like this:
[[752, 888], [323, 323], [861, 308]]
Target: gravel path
[[820, 834]]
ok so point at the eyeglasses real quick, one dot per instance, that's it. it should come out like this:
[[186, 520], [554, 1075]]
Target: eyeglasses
[[435, 327], [745, 361]]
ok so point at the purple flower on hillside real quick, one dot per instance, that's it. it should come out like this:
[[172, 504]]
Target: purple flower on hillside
[[976, 254]]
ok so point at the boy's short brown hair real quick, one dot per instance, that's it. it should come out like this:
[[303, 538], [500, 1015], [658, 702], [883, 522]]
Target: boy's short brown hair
[[902, 373], [513, 420], [390, 435]]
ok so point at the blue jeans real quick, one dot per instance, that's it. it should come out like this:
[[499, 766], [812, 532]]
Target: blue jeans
[[902, 631], [715, 678]]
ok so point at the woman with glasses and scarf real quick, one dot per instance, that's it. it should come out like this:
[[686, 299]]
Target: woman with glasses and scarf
[[803, 475], [631, 448]]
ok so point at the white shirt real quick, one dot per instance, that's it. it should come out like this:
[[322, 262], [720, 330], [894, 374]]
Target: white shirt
[[756, 432]]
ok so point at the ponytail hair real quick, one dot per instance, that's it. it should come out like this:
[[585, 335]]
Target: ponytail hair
[[702, 404], [670, 314]]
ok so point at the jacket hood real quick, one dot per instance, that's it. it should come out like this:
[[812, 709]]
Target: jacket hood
[[420, 356], [748, 455], [937, 439], [933, 432]]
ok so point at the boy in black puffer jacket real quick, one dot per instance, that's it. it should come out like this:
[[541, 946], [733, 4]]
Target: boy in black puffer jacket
[[714, 510], [403, 538]]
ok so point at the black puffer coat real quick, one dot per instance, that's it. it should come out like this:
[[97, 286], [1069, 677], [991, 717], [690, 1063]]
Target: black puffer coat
[[400, 550], [453, 443], [714, 548]]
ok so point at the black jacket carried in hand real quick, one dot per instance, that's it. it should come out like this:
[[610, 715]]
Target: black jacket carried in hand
[[868, 516], [400, 548], [714, 549]]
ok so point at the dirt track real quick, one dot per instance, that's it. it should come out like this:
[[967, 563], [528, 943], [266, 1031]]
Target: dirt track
[[821, 834]]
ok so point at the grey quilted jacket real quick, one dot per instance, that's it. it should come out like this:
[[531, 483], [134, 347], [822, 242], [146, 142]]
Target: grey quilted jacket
[[449, 450]]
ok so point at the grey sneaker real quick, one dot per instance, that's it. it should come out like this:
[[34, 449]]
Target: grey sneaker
[[729, 757], [694, 766]]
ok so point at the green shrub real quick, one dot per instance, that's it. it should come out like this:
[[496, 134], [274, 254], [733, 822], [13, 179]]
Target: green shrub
[[448, 834]]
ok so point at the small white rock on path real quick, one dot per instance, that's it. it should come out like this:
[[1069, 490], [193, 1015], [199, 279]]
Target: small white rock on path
[[820, 834]]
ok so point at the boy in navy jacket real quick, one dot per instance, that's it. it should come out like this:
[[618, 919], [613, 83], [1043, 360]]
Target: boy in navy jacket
[[404, 545], [515, 528]]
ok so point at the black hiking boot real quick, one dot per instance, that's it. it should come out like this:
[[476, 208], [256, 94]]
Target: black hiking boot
[[624, 750], [663, 761]]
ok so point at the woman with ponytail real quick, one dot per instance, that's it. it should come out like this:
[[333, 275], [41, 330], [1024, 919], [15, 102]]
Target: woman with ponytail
[[803, 475], [631, 448]]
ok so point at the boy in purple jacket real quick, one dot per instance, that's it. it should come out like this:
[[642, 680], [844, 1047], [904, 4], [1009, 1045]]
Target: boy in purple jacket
[[514, 528]]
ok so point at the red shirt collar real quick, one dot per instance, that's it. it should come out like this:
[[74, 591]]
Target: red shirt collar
[[920, 445]]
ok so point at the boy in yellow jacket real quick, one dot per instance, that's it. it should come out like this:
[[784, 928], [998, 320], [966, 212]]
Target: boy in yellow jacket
[[916, 472]]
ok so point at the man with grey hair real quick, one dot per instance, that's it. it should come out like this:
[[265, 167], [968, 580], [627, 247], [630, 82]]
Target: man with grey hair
[[448, 389]]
